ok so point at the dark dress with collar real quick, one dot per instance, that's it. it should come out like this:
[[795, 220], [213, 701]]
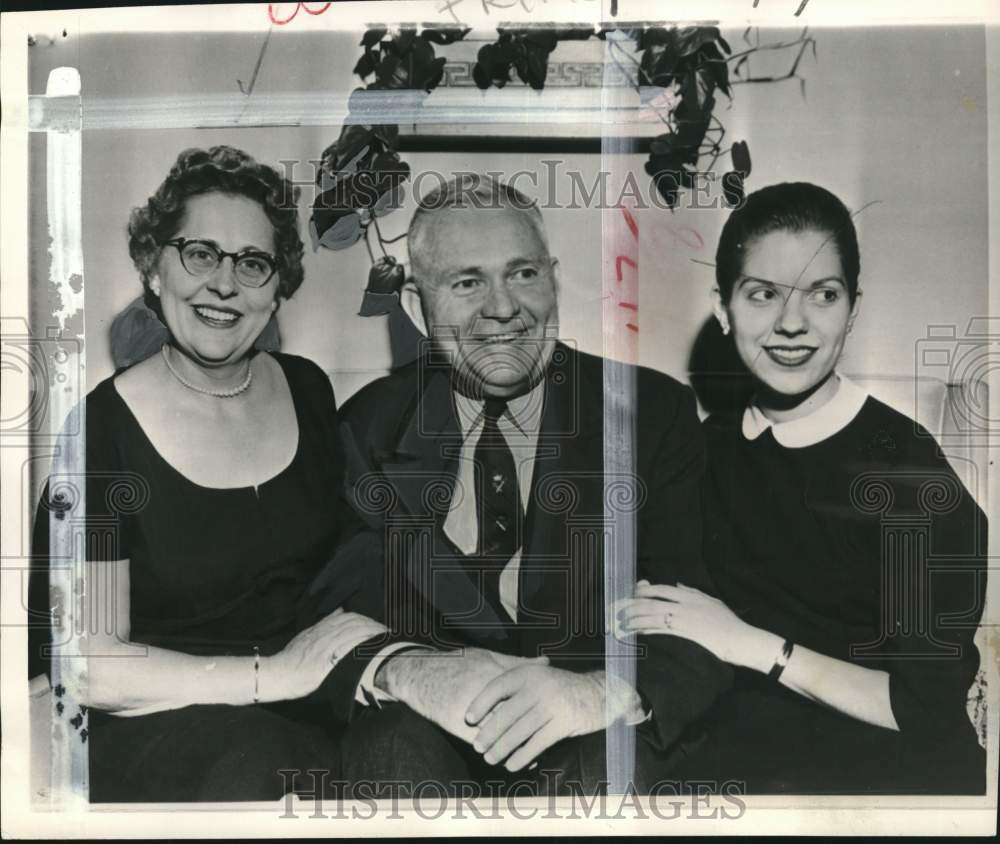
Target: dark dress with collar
[[212, 572], [865, 547]]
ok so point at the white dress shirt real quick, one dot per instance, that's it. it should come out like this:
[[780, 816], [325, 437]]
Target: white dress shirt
[[519, 426]]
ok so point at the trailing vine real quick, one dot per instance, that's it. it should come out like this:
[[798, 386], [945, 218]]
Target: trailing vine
[[676, 71]]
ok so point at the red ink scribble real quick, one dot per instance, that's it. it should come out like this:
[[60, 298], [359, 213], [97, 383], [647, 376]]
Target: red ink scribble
[[694, 240], [633, 226], [690, 237], [305, 7], [623, 259], [624, 295]]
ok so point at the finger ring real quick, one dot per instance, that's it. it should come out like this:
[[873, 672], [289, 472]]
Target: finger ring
[[334, 658], [666, 620]]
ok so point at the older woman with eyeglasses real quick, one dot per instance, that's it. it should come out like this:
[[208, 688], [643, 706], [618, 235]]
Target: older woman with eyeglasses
[[211, 642]]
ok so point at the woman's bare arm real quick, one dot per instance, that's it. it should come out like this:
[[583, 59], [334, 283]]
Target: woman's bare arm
[[127, 678], [857, 691]]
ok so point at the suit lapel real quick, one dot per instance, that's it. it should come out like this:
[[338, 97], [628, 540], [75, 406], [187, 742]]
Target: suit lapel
[[568, 475], [423, 470], [427, 448]]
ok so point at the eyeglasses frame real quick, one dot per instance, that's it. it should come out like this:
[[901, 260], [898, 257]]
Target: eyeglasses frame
[[181, 242]]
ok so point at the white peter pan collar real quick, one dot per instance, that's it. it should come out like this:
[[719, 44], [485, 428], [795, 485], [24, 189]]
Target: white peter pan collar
[[819, 425]]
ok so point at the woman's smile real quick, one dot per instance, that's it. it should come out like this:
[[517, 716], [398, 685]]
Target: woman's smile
[[790, 356], [217, 316]]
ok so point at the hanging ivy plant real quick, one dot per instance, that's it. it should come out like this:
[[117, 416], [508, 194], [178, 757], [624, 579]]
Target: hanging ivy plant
[[677, 73], [525, 51]]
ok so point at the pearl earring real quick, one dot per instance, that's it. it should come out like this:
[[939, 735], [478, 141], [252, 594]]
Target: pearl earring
[[725, 328]]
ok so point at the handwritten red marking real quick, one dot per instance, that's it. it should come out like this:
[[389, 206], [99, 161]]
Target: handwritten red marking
[[685, 234], [272, 8], [623, 259], [693, 239], [630, 220], [622, 294]]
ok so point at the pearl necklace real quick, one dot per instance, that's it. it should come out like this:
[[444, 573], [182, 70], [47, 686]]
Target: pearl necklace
[[219, 394]]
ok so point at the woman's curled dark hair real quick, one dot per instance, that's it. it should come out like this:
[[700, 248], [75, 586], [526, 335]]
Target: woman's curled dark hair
[[222, 169], [789, 206]]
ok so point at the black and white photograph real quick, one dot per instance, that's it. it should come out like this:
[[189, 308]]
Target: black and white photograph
[[444, 417]]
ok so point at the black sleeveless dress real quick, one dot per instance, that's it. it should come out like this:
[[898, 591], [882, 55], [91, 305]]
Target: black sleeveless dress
[[212, 572]]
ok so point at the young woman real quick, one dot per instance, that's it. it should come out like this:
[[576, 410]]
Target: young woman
[[849, 559]]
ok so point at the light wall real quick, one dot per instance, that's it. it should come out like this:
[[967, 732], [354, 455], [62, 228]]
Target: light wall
[[895, 117]]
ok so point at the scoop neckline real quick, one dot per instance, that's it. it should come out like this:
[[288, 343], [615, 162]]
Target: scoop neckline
[[255, 488]]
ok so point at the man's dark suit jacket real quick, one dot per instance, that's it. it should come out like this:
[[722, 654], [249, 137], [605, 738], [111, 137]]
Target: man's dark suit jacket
[[403, 442]]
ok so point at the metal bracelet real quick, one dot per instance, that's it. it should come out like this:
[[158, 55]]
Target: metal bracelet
[[782, 660], [256, 674]]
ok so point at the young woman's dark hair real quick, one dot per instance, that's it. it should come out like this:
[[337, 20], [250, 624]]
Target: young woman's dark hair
[[789, 206]]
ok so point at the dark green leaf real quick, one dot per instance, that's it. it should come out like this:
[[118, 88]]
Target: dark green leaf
[[662, 144], [336, 228], [481, 76], [656, 36], [386, 276], [366, 64], [392, 73], [388, 134], [741, 157], [501, 75], [538, 68], [404, 41], [543, 38], [661, 65], [353, 138], [574, 33], [692, 38], [344, 233], [446, 35], [722, 78], [511, 52], [436, 74], [347, 166], [422, 52], [378, 304], [373, 36]]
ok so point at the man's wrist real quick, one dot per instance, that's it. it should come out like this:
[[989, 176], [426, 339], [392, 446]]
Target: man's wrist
[[387, 674], [392, 674], [763, 648], [625, 701]]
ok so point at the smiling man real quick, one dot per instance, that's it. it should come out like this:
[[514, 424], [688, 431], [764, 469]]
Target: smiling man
[[482, 465]]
